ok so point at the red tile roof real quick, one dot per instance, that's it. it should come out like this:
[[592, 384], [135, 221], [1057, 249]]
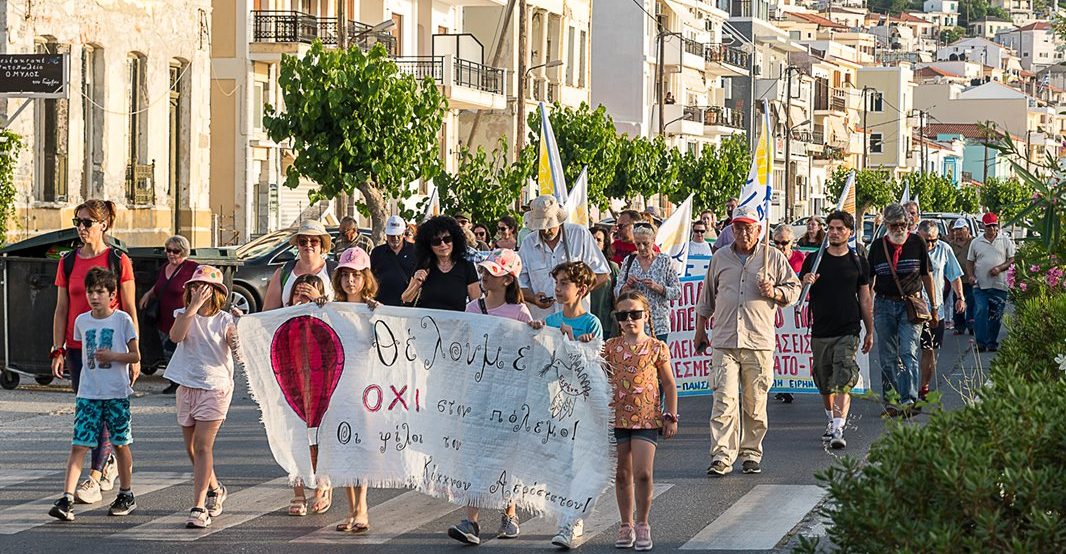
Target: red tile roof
[[930, 71], [905, 17], [968, 130], [815, 18], [1037, 26]]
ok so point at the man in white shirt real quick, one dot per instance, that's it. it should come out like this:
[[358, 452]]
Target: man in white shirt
[[989, 257], [552, 242], [699, 246]]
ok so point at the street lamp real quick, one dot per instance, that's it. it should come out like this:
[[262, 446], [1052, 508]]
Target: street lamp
[[553, 63], [520, 107], [788, 137]]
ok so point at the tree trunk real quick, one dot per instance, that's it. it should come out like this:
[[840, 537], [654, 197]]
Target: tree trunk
[[376, 205]]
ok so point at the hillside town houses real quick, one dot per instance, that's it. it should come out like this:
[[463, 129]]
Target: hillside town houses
[[166, 117]]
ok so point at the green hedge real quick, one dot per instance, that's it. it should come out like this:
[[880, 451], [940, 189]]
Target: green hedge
[[1036, 334]]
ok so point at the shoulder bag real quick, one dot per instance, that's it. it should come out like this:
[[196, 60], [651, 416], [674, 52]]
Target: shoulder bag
[[917, 309]]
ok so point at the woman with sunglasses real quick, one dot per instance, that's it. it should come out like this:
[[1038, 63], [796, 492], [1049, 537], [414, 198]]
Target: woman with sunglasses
[[652, 275], [445, 279], [783, 241], [312, 242], [92, 220], [507, 233], [168, 293]]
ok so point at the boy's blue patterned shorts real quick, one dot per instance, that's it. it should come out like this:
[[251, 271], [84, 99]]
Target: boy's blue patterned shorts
[[91, 415]]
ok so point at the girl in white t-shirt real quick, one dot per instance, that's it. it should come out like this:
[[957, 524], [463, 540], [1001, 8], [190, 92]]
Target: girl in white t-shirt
[[202, 367], [354, 282]]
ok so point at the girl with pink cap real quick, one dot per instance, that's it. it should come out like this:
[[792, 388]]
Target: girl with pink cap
[[202, 367], [354, 282]]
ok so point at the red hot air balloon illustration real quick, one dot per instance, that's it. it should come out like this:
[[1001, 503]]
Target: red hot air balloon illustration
[[307, 358]]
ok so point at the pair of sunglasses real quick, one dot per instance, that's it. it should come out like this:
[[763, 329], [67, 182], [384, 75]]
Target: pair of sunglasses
[[173, 251], [782, 242], [309, 242], [86, 223], [437, 241], [630, 315]]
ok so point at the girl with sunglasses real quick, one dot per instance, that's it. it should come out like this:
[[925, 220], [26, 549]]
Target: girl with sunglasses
[[445, 279], [639, 366]]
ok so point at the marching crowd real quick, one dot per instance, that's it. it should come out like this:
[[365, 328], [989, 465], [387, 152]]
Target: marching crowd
[[605, 283]]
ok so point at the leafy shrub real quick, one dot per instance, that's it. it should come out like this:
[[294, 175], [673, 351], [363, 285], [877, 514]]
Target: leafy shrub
[[990, 477], [1036, 336], [1036, 272]]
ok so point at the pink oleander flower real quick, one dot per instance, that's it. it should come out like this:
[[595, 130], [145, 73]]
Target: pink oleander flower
[[1034, 268], [1023, 286]]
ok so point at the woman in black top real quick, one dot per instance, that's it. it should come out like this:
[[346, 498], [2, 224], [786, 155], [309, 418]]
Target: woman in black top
[[445, 280]]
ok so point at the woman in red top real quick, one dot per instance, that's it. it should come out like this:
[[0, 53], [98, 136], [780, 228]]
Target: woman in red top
[[92, 219], [168, 292], [783, 241]]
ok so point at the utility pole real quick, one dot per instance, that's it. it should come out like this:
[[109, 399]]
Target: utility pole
[[496, 57], [865, 130], [660, 55], [523, 48], [788, 143], [344, 206]]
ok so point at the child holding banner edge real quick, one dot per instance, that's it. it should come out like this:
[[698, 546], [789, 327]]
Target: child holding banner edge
[[639, 365], [354, 282], [503, 298]]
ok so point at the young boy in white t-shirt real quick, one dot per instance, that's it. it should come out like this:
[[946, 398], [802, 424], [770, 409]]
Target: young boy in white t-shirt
[[109, 347]]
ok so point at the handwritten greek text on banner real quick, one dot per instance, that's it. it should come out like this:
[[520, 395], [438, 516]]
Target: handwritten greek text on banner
[[470, 408], [792, 357]]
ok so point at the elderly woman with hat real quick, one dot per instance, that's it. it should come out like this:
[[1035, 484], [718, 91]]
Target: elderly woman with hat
[[554, 242], [312, 242]]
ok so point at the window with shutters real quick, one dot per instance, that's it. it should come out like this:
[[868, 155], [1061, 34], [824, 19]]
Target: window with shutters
[[51, 123]]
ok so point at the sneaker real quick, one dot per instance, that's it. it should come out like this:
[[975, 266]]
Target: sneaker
[[838, 442], [626, 536], [88, 492], [751, 466], [828, 434], [124, 504], [63, 509], [198, 519], [215, 498], [508, 527], [718, 468], [109, 473], [466, 532], [643, 541], [564, 539]]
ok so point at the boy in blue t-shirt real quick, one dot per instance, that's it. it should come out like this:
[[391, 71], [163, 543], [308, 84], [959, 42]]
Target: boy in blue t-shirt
[[109, 347], [573, 282]]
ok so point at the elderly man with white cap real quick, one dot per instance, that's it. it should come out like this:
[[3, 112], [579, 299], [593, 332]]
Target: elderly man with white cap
[[746, 284], [554, 242], [393, 263]]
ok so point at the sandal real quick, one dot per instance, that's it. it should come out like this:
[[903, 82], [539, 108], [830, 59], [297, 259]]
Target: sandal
[[350, 525], [323, 500], [298, 506]]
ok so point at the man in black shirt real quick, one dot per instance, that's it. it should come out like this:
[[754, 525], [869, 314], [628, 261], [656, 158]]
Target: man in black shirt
[[839, 298], [899, 267], [393, 263]]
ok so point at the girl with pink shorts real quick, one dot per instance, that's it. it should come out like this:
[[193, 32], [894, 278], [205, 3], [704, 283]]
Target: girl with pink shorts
[[202, 367]]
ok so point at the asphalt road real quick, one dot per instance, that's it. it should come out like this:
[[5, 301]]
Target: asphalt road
[[733, 513]]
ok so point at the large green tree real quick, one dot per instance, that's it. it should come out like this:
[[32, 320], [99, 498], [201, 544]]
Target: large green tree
[[874, 188], [585, 137], [713, 176], [934, 192], [485, 184], [357, 123], [646, 167], [1005, 197]]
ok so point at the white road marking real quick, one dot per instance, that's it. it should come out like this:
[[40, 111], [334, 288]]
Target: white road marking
[[10, 477], [744, 526], [388, 520]]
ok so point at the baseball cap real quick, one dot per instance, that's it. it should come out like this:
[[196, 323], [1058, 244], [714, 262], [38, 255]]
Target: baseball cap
[[395, 226], [746, 214], [960, 223], [990, 219], [503, 261], [354, 258]]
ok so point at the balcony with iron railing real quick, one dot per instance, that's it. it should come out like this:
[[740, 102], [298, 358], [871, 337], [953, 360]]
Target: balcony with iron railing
[[273, 26], [723, 59], [716, 116], [681, 51], [139, 187], [467, 84]]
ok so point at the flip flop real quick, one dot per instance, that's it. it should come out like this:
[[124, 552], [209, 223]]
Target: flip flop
[[350, 525], [323, 500]]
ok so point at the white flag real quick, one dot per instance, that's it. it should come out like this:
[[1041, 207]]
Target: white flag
[[673, 236], [577, 201], [906, 194], [759, 188]]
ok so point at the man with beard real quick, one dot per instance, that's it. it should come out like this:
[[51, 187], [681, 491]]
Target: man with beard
[[899, 268]]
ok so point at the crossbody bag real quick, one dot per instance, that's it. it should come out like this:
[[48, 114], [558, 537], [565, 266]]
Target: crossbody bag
[[917, 309]]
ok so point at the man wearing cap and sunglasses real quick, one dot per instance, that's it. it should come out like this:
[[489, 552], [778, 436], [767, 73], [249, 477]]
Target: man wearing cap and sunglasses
[[989, 257], [393, 263], [745, 285]]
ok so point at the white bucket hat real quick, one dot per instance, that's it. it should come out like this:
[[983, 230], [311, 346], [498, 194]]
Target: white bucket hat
[[544, 213]]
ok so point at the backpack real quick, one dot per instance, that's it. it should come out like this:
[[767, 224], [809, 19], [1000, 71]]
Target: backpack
[[287, 269], [114, 262]]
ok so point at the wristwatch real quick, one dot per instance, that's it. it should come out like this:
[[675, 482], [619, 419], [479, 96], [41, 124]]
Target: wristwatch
[[672, 418]]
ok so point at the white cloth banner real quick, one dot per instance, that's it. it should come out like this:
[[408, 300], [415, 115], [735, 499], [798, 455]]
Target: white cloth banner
[[471, 408]]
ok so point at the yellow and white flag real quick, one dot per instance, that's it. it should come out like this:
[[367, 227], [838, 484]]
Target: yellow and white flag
[[433, 205], [673, 236], [577, 202], [759, 188], [550, 176]]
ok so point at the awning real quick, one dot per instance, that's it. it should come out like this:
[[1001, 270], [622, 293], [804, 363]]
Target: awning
[[796, 115], [838, 132]]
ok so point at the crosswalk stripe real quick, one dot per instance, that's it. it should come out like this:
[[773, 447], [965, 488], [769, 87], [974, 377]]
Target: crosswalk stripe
[[242, 506], [9, 477], [388, 520], [539, 530], [734, 529], [35, 513]]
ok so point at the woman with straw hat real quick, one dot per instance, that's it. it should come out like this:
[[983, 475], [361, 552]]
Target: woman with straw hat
[[312, 241]]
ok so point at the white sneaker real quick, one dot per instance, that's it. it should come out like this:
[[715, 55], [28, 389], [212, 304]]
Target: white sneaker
[[109, 473], [827, 435], [564, 539], [88, 492], [215, 498], [838, 442]]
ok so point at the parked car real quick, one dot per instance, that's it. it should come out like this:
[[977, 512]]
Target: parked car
[[259, 258], [944, 222]]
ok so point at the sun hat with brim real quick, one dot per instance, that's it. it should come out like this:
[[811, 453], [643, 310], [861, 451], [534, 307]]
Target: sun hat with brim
[[544, 213], [312, 228], [501, 262], [208, 274], [354, 258], [745, 214]]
